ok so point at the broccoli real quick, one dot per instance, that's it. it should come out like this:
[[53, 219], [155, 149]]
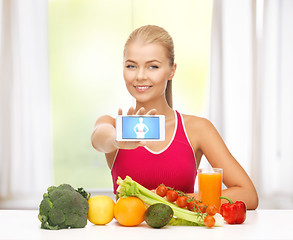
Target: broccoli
[[64, 207]]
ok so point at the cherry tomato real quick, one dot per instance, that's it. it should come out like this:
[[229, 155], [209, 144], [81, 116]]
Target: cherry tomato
[[211, 210], [191, 206], [209, 221], [182, 201], [171, 195], [201, 207], [161, 190]]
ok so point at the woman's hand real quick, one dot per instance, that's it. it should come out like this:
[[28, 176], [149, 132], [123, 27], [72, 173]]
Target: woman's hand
[[133, 144]]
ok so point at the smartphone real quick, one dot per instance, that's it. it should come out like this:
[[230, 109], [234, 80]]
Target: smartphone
[[140, 128]]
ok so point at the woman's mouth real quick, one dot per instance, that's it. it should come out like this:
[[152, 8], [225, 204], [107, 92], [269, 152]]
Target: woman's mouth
[[142, 88]]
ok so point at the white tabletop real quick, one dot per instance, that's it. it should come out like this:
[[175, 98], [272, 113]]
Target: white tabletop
[[259, 224]]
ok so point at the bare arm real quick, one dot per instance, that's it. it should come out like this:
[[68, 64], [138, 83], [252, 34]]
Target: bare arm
[[103, 137], [239, 185]]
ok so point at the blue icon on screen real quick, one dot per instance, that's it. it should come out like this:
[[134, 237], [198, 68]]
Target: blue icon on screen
[[140, 127]]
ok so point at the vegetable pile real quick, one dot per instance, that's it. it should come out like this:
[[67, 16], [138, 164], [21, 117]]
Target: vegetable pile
[[64, 207], [182, 216]]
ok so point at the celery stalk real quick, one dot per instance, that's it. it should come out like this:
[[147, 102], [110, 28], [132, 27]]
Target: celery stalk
[[129, 187]]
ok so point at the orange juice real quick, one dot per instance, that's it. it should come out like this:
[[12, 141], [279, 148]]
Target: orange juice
[[210, 186]]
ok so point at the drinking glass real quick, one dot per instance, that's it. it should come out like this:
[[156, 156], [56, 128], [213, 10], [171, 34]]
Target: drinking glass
[[210, 186]]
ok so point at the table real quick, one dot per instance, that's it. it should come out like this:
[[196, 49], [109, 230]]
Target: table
[[259, 224]]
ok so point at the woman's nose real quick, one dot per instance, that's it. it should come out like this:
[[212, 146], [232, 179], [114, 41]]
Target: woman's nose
[[141, 74]]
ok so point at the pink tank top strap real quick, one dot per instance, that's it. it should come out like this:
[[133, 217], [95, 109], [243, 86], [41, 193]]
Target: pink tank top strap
[[181, 134]]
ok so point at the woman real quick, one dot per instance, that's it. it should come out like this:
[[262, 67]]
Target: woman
[[148, 72]]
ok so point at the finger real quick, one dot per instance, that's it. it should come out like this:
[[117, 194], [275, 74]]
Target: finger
[[141, 111], [119, 111], [130, 111], [152, 112]]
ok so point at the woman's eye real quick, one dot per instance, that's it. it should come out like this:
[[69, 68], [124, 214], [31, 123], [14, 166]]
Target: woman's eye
[[154, 67], [130, 66]]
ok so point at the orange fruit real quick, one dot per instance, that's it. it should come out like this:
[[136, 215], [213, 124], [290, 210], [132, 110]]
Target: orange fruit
[[129, 211]]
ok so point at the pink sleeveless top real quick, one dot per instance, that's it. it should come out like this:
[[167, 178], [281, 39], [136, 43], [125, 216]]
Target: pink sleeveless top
[[174, 166]]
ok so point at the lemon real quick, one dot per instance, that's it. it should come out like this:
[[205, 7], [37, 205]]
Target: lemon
[[101, 209]]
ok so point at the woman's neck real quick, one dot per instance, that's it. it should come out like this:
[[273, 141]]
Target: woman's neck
[[162, 107]]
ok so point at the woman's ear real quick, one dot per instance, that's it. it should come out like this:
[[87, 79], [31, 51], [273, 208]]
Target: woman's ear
[[173, 70]]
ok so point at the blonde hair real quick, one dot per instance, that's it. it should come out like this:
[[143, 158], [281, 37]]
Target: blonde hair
[[155, 34]]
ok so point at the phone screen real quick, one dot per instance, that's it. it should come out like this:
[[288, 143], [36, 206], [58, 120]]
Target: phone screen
[[140, 127]]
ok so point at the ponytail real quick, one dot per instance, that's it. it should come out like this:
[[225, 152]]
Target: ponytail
[[168, 94]]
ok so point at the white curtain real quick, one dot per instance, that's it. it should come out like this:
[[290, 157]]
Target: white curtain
[[25, 131], [251, 86]]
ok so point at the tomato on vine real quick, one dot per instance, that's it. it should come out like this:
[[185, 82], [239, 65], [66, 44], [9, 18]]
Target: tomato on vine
[[161, 190], [171, 195], [209, 221], [191, 205], [211, 210], [201, 207], [182, 201]]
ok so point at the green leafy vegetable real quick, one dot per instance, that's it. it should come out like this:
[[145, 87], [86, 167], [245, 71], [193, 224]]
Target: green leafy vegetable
[[64, 207]]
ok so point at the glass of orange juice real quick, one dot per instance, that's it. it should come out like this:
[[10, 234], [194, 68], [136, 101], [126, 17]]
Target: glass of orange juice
[[210, 186]]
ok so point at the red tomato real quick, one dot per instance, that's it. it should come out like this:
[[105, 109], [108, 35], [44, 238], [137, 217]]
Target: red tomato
[[182, 201], [191, 206], [209, 221], [161, 190], [171, 195], [211, 210], [201, 207]]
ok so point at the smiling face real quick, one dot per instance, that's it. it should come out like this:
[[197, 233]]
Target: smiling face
[[147, 70]]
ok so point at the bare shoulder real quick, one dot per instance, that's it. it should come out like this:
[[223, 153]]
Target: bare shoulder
[[199, 130], [195, 123]]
